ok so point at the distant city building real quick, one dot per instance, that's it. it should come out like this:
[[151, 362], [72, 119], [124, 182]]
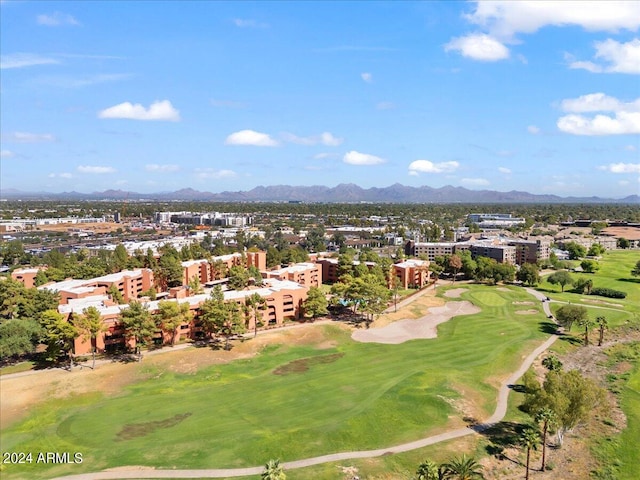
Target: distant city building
[[494, 220]]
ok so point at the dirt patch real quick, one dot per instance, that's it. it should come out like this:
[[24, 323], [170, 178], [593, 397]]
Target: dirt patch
[[455, 293], [135, 430], [302, 364], [601, 302], [526, 312], [409, 329], [523, 303]]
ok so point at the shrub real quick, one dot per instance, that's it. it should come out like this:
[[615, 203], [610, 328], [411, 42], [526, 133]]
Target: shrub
[[608, 292]]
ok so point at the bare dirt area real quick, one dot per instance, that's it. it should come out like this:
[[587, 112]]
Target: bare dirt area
[[574, 460], [19, 394], [455, 292], [630, 233], [410, 329], [416, 309], [102, 227]]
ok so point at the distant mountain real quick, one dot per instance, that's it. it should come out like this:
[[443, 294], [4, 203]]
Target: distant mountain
[[342, 193]]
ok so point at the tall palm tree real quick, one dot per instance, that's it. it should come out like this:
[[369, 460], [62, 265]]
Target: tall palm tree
[[529, 439], [462, 468], [273, 471], [429, 470], [547, 417], [602, 326]]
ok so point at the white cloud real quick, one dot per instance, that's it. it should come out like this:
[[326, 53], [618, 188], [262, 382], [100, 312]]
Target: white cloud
[[615, 57], [95, 169], [357, 158], [624, 183], [479, 47], [60, 175], [21, 60], [505, 19], [159, 110], [475, 182], [249, 23], [385, 106], [205, 173], [625, 119], [504, 170], [250, 137], [623, 123], [426, 166], [26, 137], [7, 154], [598, 102], [630, 148], [533, 130], [325, 138], [622, 168], [57, 19], [154, 167], [367, 77], [322, 156]]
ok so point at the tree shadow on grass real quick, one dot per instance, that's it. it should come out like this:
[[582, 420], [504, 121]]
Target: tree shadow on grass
[[548, 328], [630, 280], [502, 435]]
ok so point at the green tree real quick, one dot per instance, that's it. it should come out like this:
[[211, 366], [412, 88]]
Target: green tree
[[41, 278], [548, 419], [429, 470], [462, 468], [115, 294], [596, 250], [273, 471], [316, 303], [238, 277], [575, 250], [59, 335], [233, 323], [561, 278], [567, 315], [602, 323], [18, 337], [529, 439], [589, 266], [213, 312], [314, 241], [90, 325], [552, 363], [529, 274], [257, 304], [171, 315], [636, 270], [195, 286], [120, 258], [138, 324], [583, 285], [169, 272]]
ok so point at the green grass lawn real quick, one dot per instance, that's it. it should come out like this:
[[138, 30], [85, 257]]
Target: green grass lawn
[[615, 272], [627, 450], [17, 368], [289, 402]]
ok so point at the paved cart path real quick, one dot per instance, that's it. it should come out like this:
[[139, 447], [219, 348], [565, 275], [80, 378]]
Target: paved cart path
[[497, 416]]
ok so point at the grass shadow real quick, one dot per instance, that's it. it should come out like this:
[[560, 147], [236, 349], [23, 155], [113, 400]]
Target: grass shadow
[[549, 328]]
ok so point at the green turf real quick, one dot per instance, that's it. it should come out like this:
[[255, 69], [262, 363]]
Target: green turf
[[363, 396], [628, 452]]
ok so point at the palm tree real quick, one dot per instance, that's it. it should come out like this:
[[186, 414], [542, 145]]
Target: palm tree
[[273, 471], [462, 468], [602, 325], [587, 323], [547, 417], [530, 439], [429, 470]]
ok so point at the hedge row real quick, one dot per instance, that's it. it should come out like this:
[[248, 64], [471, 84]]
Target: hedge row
[[608, 292]]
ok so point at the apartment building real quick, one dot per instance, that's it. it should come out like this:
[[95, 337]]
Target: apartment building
[[530, 251], [130, 283], [208, 270], [283, 298], [306, 274], [27, 276], [412, 273], [500, 253]]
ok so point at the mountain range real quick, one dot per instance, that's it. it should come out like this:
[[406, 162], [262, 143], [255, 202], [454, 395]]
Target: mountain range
[[342, 193]]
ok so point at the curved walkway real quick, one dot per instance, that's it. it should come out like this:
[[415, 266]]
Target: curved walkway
[[498, 415]]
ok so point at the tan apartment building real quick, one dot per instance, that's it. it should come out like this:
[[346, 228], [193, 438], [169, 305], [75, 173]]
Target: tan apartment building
[[412, 273], [27, 276], [306, 274]]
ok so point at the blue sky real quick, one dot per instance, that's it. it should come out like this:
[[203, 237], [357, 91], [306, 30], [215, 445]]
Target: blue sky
[[157, 96]]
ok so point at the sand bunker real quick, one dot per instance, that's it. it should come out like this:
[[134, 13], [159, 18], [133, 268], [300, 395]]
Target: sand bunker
[[424, 327], [455, 293], [523, 303], [503, 289], [526, 312]]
